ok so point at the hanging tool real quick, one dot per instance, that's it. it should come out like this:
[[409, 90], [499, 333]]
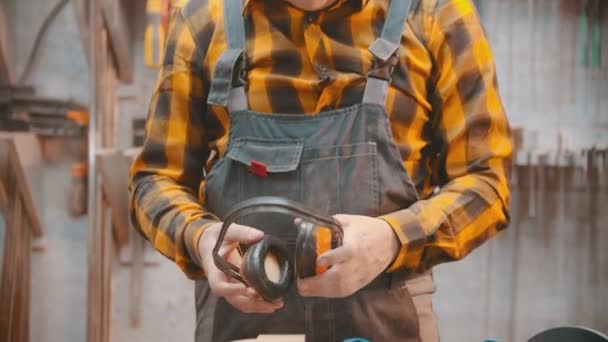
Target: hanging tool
[[593, 211], [590, 33]]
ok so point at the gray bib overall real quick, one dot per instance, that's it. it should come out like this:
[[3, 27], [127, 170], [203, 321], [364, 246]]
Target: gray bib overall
[[337, 162]]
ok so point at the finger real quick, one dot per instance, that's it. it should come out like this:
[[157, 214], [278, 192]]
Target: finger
[[247, 305], [251, 293], [222, 286], [243, 234], [335, 256], [297, 221], [322, 285], [234, 257]]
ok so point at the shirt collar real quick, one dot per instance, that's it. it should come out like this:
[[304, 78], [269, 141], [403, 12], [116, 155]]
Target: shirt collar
[[358, 4]]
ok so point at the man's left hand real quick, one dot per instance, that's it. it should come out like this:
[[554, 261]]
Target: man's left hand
[[369, 245]]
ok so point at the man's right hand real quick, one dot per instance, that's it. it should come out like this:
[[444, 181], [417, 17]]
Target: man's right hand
[[238, 295]]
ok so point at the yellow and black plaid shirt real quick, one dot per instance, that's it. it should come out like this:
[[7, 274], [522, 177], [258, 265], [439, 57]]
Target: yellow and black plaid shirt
[[445, 112]]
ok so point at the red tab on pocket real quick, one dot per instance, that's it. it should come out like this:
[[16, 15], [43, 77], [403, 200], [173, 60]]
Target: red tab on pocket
[[258, 168]]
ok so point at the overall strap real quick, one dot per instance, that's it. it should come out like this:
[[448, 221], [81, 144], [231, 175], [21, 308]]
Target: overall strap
[[384, 50], [227, 88]]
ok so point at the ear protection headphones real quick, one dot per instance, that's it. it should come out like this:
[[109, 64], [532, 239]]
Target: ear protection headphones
[[316, 235]]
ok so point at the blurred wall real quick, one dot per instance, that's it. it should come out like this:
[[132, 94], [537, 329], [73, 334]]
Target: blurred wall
[[59, 69], [545, 91], [134, 98], [537, 45], [59, 274], [550, 267]]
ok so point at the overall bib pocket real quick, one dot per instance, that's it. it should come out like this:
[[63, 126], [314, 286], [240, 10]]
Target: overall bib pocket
[[345, 178], [330, 180], [267, 167]]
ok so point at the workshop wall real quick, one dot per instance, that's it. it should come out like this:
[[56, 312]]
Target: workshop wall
[[135, 98], [59, 274], [545, 88], [538, 47], [59, 68], [546, 91], [550, 267]]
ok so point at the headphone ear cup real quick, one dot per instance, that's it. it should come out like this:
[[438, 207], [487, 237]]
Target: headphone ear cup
[[253, 269], [311, 242]]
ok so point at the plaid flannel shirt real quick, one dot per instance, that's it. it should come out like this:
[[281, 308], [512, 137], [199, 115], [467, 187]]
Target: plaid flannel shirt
[[445, 112]]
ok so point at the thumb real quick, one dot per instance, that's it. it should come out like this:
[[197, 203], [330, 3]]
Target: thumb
[[243, 234], [345, 220]]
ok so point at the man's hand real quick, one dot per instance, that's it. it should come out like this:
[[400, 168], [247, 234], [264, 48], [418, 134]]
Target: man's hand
[[369, 245], [238, 295]]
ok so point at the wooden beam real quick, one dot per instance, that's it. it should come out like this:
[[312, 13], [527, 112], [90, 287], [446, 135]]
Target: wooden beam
[[120, 38], [7, 73], [114, 178], [136, 282], [15, 276], [25, 160]]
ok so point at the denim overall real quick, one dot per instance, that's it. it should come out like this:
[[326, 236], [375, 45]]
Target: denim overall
[[341, 161]]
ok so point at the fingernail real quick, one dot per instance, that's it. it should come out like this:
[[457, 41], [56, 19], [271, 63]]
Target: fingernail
[[256, 234], [322, 261], [277, 304]]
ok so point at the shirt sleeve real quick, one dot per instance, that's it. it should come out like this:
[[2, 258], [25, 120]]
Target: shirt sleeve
[[473, 161], [166, 175]]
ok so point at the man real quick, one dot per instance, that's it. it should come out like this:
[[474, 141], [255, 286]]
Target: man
[[395, 126]]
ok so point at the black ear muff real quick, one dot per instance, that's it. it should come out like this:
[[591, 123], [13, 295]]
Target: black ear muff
[[266, 268], [312, 241], [317, 236]]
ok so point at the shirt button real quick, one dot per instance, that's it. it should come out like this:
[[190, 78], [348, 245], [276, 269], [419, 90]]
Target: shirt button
[[311, 18]]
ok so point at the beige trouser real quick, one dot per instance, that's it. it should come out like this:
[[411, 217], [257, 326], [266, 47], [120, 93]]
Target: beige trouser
[[421, 289]]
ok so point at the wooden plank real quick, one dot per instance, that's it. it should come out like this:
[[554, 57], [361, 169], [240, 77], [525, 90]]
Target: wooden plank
[[94, 207], [101, 251], [94, 295], [5, 295], [7, 72], [4, 202], [8, 268], [136, 281], [107, 274], [7, 75], [24, 151], [15, 290], [109, 129], [14, 285], [103, 257], [120, 38], [114, 172], [20, 312]]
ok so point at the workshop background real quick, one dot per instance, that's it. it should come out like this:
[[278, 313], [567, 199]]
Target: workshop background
[[73, 271]]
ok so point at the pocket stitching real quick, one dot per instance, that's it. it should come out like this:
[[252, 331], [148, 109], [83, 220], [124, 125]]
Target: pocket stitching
[[370, 149], [293, 159]]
